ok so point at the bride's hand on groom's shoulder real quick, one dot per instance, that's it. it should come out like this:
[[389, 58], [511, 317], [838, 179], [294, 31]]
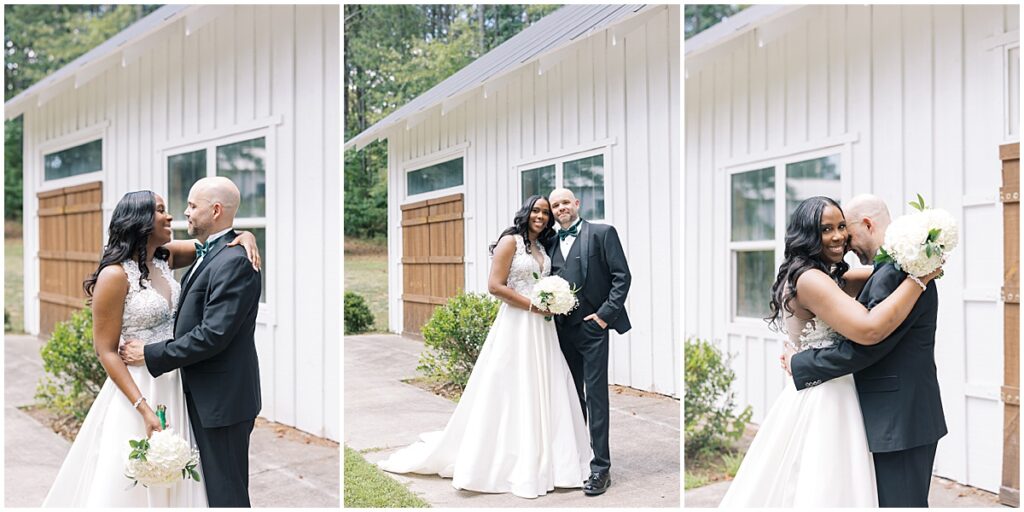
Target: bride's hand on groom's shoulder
[[252, 251]]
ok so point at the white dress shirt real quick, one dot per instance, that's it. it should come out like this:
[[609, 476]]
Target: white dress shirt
[[566, 244]]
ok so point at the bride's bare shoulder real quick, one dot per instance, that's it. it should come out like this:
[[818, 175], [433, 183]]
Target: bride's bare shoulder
[[814, 282]]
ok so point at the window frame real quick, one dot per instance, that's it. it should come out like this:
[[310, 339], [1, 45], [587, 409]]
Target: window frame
[[266, 314], [78, 138], [559, 162], [1009, 137], [778, 243], [453, 153]]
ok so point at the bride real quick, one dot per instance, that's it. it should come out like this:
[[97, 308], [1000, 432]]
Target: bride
[[518, 427], [811, 449], [134, 295]]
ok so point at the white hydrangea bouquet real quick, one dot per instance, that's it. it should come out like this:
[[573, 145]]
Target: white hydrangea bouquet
[[161, 460], [917, 243], [554, 294]]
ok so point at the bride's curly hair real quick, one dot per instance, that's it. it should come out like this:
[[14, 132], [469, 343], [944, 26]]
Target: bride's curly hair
[[803, 253], [129, 230], [521, 225]]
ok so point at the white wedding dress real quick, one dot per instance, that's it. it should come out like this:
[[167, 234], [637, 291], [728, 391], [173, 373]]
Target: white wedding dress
[[519, 427], [811, 449], [92, 475]]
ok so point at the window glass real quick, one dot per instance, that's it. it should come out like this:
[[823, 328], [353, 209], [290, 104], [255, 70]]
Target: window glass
[[80, 159], [754, 278], [753, 205], [539, 181], [244, 163], [809, 178], [182, 171], [585, 177], [435, 177]]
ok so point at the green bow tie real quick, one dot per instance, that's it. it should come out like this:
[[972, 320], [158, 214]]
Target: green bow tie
[[202, 249], [566, 233]]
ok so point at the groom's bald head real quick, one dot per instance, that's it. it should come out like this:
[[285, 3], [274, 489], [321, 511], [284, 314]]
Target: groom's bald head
[[212, 205], [867, 218]]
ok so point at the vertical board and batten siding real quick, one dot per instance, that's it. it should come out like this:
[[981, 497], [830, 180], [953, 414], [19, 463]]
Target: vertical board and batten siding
[[627, 92], [918, 94], [269, 68]]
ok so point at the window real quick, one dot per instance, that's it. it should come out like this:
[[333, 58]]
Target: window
[[435, 177], [244, 163], [584, 176], [757, 239], [81, 159]]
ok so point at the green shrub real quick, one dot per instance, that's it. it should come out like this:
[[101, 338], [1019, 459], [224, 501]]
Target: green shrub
[[710, 423], [454, 335], [358, 317], [74, 374], [7, 321]]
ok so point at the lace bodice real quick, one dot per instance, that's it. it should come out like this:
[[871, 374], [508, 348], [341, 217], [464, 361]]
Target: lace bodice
[[813, 333], [524, 265], [147, 315]]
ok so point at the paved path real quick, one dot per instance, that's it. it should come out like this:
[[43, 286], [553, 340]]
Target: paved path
[[287, 468], [383, 414], [942, 494]]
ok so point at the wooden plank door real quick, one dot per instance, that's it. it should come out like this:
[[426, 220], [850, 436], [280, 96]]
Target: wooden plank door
[[70, 242], [433, 266], [1009, 490]]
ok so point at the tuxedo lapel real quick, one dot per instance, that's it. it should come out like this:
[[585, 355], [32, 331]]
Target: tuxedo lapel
[[584, 242], [193, 274]]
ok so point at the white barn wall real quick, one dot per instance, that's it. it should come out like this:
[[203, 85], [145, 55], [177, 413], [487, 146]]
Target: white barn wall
[[917, 94], [272, 68], [627, 92]]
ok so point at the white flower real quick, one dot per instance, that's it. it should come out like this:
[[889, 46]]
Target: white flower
[[907, 240], [165, 458], [553, 294]]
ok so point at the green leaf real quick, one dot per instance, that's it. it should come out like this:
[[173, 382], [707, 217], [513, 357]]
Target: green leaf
[[536, 275], [933, 234], [883, 256], [928, 250]]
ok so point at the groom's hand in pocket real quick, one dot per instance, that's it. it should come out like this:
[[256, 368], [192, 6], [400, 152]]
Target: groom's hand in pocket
[[132, 353], [594, 317]]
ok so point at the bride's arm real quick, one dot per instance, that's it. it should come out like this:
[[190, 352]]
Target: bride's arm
[[108, 308], [855, 279], [818, 293], [183, 252], [497, 281]]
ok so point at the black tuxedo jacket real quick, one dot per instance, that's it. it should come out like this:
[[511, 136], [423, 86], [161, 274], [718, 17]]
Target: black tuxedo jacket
[[597, 266], [896, 379], [214, 344]]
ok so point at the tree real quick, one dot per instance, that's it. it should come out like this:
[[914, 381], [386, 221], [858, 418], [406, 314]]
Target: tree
[[394, 53], [701, 17], [38, 40]]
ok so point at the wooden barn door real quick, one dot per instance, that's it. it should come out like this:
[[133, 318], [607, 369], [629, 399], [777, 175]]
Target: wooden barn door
[[432, 258], [70, 241], [1009, 491]]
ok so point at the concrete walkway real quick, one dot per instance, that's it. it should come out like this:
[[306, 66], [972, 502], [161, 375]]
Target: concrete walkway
[[942, 494], [383, 414], [287, 468]]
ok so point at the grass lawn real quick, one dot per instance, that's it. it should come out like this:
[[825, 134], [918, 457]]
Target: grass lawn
[[14, 284], [366, 273], [368, 487]]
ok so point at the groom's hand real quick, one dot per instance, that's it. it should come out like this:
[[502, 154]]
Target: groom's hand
[[594, 317], [132, 353]]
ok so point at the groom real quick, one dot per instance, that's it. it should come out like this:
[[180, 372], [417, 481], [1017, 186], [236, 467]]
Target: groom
[[896, 379], [214, 345], [590, 257]]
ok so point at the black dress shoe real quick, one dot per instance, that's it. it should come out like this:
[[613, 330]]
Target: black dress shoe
[[598, 483]]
